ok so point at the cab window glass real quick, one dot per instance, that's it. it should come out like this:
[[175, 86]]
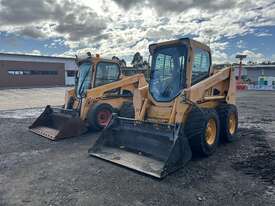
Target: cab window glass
[[201, 65], [106, 73], [84, 79], [168, 72]]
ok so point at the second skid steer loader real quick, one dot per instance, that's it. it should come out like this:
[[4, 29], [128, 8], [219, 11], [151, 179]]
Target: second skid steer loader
[[187, 108], [100, 90]]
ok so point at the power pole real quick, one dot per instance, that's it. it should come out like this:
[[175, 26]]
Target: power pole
[[241, 57]]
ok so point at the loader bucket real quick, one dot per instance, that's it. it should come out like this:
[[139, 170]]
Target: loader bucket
[[150, 148], [57, 123]]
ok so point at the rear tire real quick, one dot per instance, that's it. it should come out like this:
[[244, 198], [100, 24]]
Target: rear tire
[[127, 110], [99, 116], [202, 128], [228, 115]]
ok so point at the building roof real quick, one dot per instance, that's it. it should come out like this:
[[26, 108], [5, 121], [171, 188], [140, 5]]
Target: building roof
[[32, 55]]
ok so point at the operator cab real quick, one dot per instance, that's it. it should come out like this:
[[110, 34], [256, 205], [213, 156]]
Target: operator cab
[[167, 77], [94, 72], [177, 65]]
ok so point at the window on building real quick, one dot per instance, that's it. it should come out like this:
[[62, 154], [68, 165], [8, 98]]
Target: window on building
[[26, 72], [201, 65], [11, 72], [273, 83], [15, 72], [261, 81], [49, 72], [71, 73], [244, 77]]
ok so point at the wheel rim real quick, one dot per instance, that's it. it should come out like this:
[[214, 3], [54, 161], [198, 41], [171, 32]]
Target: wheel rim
[[103, 117], [232, 123], [211, 132]]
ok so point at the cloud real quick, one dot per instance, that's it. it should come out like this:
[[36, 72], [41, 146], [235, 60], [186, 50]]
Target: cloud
[[78, 21], [263, 34], [127, 4], [159, 33], [53, 18], [136, 23], [31, 31], [35, 52], [254, 56], [32, 52], [123, 27], [240, 44], [163, 6], [220, 57], [180, 5], [15, 12]]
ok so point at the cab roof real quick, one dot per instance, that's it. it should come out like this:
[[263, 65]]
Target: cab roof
[[186, 41], [96, 60]]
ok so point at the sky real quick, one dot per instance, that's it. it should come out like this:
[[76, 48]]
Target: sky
[[123, 27]]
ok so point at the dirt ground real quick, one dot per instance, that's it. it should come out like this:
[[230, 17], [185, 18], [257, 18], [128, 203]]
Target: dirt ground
[[35, 171]]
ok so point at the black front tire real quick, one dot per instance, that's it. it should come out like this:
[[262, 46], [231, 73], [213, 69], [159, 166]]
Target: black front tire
[[92, 116], [195, 130]]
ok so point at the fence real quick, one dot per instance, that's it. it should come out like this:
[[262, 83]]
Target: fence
[[261, 87]]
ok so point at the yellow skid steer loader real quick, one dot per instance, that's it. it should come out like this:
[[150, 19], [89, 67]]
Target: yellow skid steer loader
[[100, 90], [186, 108]]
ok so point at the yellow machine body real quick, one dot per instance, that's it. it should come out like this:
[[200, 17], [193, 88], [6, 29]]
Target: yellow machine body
[[103, 85], [160, 139]]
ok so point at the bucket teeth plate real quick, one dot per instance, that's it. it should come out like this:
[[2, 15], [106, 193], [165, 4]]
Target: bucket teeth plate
[[153, 149], [46, 132], [55, 123], [136, 162]]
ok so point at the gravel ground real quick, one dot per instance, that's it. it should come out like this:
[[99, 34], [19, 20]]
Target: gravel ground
[[35, 171], [31, 97]]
